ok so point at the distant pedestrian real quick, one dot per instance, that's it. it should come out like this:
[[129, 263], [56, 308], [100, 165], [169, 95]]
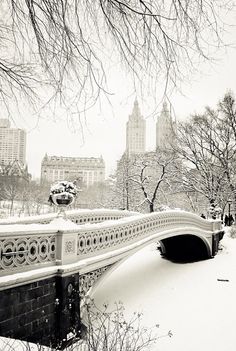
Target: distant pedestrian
[[226, 220], [203, 216], [231, 220]]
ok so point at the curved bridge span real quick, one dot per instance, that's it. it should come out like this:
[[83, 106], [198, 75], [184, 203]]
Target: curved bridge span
[[100, 246], [67, 248], [62, 260]]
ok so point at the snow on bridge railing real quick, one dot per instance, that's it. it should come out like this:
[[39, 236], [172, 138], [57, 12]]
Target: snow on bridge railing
[[78, 216], [25, 247]]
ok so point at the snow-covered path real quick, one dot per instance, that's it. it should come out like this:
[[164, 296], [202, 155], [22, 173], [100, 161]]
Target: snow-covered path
[[187, 299]]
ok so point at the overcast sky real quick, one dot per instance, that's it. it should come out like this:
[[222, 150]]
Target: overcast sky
[[104, 132]]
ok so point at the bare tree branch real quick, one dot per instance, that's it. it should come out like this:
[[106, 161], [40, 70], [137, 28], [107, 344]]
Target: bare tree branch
[[66, 46]]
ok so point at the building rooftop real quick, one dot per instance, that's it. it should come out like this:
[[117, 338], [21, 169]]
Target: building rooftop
[[72, 160]]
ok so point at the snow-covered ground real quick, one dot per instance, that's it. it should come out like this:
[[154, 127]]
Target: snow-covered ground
[[196, 301]]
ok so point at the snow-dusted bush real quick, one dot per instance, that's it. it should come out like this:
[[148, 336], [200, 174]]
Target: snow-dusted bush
[[105, 329], [108, 329], [232, 231]]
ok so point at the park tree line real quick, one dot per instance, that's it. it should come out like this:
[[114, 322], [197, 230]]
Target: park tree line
[[19, 197], [196, 171]]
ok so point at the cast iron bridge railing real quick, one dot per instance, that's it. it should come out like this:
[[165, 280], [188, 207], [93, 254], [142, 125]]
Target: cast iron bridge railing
[[63, 247]]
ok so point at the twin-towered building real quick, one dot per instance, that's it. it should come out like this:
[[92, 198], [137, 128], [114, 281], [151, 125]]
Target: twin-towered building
[[131, 167], [136, 130]]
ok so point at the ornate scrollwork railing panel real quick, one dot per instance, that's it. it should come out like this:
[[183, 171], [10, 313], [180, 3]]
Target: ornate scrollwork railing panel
[[21, 252]]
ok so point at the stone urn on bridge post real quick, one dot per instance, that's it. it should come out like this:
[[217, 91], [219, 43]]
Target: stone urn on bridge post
[[62, 195]]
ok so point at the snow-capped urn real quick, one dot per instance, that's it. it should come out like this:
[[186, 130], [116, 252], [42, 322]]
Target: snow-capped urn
[[63, 193]]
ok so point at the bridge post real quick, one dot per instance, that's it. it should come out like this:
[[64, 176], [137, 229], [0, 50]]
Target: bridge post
[[66, 247], [217, 235], [45, 311], [67, 301], [44, 308], [67, 308]]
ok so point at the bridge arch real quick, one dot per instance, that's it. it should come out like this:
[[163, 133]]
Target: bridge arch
[[185, 248]]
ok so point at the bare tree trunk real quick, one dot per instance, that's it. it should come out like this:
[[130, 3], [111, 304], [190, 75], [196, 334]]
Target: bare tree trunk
[[127, 196], [11, 207]]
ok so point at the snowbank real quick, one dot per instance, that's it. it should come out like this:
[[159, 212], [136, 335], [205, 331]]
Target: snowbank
[[196, 301]]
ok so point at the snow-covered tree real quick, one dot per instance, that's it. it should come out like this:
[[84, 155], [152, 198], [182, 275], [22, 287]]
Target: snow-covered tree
[[11, 192], [207, 145], [126, 189], [152, 173], [143, 179]]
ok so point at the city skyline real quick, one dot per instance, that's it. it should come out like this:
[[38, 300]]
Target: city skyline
[[94, 129], [148, 147]]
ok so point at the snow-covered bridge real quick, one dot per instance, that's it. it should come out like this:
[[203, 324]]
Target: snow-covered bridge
[[56, 263]]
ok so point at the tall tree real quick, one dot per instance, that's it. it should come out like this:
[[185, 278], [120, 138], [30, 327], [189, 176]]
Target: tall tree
[[150, 174], [126, 189], [11, 191], [207, 145], [227, 133]]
